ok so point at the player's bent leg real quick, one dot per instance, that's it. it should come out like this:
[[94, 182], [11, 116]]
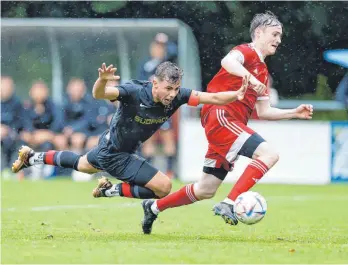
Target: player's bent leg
[[141, 180], [263, 158], [265, 153], [160, 184], [212, 179], [84, 166], [203, 189]]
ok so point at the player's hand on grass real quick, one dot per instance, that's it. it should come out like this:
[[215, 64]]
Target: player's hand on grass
[[243, 88], [108, 73], [304, 111]]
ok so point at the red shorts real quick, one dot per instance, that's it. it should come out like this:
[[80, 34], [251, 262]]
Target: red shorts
[[228, 138]]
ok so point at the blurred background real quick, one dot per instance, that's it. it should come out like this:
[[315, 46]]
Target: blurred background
[[50, 53]]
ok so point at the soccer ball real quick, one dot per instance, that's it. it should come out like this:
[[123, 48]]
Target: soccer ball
[[250, 207]]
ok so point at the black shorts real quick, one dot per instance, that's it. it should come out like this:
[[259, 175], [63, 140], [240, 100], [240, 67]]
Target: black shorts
[[124, 166]]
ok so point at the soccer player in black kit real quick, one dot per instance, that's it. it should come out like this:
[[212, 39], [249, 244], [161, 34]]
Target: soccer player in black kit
[[144, 107]]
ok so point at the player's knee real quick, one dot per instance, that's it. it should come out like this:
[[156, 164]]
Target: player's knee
[[274, 157], [266, 154], [164, 188], [203, 192]]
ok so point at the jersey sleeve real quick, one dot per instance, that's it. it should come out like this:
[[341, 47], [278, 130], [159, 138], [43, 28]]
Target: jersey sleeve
[[189, 96], [243, 53], [127, 91]]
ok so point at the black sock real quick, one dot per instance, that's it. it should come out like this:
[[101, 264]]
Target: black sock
[[65, 159], [135, 191]]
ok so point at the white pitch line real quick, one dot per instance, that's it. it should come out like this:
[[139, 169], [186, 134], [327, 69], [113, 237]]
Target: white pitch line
[[71, 207], [273, 199]]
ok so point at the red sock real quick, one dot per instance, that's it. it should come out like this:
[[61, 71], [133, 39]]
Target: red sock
[[181, 197], [126, 190], [49, 157], [251, 175]]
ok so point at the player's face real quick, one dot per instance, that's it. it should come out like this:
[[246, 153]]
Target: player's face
[[271, 38], [164, 91]]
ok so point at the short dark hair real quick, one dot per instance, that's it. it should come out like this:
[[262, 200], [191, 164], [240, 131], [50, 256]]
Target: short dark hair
[[267, 19], [170, 72]]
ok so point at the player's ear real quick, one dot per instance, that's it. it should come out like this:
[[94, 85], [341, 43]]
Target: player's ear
[[154, 82], [258, 32]]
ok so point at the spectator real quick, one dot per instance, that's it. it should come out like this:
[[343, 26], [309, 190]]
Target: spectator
[[100, 119], [13, 123], [44, 117], [77, 110], [44, 122]]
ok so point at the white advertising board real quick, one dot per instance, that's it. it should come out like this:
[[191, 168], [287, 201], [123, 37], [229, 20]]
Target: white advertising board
[[303, 146]]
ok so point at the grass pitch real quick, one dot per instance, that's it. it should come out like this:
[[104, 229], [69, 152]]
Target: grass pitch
[[58, 221]]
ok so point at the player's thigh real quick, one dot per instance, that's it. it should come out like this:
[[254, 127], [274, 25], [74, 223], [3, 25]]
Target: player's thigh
[[234, 139], [85, 166], [215, 163]]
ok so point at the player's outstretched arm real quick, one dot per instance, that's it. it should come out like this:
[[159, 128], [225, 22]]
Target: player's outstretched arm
[[266, 112], [100, 90], [221, 98]]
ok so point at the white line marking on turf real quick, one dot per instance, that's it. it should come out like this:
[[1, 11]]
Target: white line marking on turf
[[273, 199], [70, 207]]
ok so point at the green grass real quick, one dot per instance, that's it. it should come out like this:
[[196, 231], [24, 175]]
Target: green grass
[[311, 220]]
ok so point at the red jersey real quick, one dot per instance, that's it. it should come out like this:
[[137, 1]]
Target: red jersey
[[224, 81]]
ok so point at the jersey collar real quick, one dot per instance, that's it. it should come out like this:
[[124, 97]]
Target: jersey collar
[[258, 52]]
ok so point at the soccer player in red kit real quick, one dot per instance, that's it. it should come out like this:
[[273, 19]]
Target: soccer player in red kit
[[226, 126]]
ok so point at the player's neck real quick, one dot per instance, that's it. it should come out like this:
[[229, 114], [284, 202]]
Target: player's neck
[[258, 48], [154, 96]]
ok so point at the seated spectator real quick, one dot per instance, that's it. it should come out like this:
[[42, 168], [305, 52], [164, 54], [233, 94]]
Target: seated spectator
[[45, 122], [77, 109], [100, 119], [13, 124], [44, 117]]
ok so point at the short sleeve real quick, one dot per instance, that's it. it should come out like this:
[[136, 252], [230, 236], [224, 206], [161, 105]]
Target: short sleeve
[[184, 95], [127, 91], [243, 52]]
